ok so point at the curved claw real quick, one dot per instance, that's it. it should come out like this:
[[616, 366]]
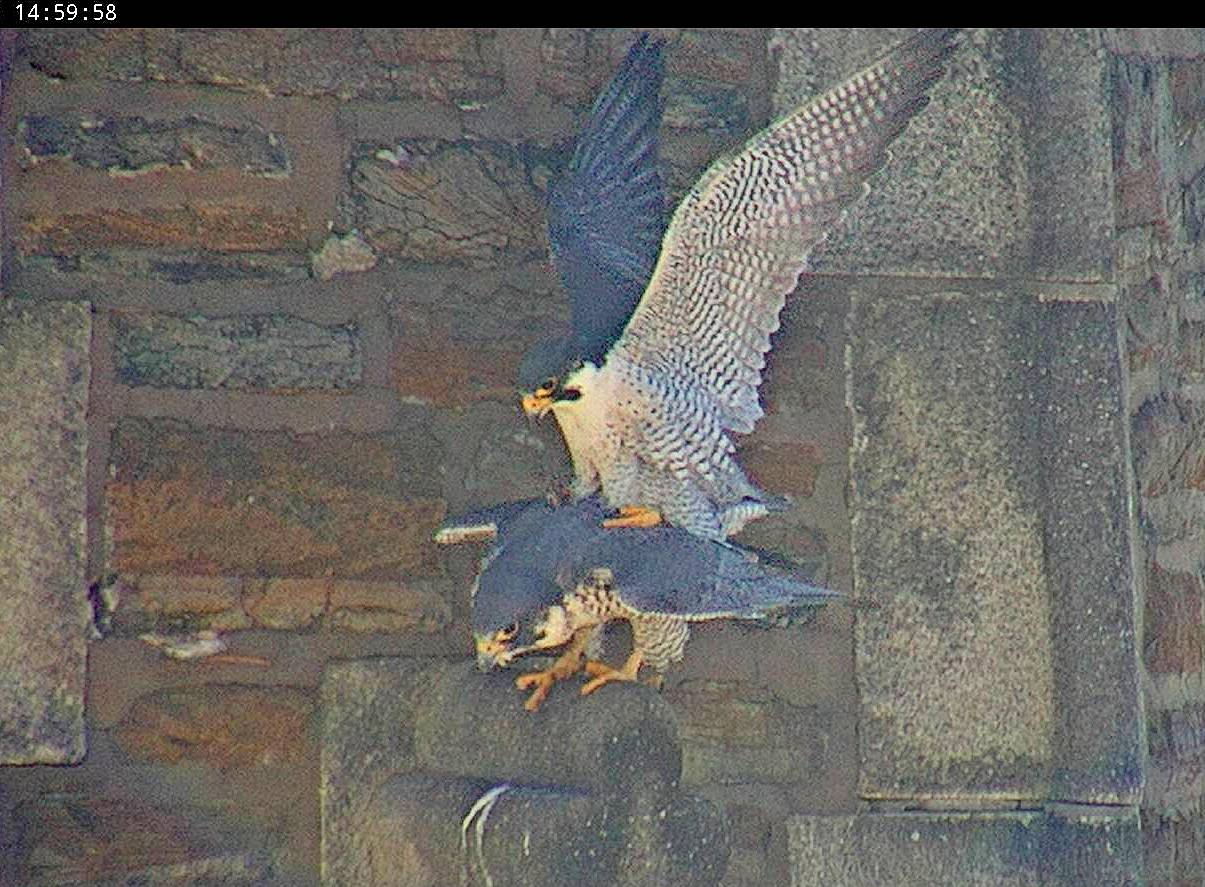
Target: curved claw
[[542, 681], [568, 663]]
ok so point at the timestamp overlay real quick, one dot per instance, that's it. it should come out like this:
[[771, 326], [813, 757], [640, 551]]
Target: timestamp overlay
[[22, 14], [45, 15]]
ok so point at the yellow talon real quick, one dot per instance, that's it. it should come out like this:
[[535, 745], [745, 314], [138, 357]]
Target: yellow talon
[[567, 664], [605, 674], [634, 516]]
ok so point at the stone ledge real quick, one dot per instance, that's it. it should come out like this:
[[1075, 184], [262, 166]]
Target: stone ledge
[[1022, 849], [412, 748]]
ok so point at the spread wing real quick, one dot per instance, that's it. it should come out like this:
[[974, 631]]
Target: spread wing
[[740, 239], [606, 212]]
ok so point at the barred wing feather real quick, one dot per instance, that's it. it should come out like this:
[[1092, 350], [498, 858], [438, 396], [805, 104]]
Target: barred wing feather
[[740, 239]]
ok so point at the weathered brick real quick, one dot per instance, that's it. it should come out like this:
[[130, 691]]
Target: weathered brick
[[434, 201], [137, 144], [227, 228], [211, 502], [286, 603], [107, 53], [197, 602], [447, 65], [459, 338], [77, 838], [719, 55], [564, 63], [1175, 622], [226, 726], [384, 606], [265, 351]]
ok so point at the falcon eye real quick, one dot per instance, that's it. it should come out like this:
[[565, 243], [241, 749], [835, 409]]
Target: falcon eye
[[509, 632]]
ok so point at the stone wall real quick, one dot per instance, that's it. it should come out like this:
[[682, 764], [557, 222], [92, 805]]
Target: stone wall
[[1159, 154], [278, 283]]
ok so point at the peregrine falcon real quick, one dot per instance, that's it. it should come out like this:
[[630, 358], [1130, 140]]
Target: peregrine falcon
[[647, 405], [555, 576]]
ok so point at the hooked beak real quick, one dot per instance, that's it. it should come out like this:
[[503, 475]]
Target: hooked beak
[[538, 403]]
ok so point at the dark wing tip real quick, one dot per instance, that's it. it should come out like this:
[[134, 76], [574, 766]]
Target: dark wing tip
[[606, 211]]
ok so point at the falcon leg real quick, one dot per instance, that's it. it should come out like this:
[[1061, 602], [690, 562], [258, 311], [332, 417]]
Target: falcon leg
[[634, 516], [605, 674], [568, 663]]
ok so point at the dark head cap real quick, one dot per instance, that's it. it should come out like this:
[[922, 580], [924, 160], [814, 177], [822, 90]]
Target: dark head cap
[[550, 359]]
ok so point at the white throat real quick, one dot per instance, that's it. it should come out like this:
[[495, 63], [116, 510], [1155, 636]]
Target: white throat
[[582, 420]]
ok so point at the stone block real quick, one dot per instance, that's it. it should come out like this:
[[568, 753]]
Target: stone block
[[996, 640], [203, 501], [222, 726], [367, 712], [429, 200], [77, 840], [473, 724], [421, 830], [1017, 849], [433, 772], [44, 376], [130, 144], [1007, 172], [252, 351]]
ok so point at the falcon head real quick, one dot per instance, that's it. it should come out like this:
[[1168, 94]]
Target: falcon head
[[546, 373], [513, 614]]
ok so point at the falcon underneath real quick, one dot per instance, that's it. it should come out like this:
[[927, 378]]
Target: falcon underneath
[[554, 577]]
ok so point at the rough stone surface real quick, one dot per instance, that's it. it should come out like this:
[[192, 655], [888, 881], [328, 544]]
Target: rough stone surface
[[78, 841], [1159, 43], [1005, 174], [431, 201], [459, 337], [44, 375], [1065, 849], [990, 534], [225, 726], [366, 735], [136, 144], [203, 501], [606, 741], [455, 65], [419, 830], [267, 351], [734, 732], [1159, 135], [594, 778]]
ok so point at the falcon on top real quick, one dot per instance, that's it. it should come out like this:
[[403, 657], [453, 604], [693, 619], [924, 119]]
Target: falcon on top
[[670, 333]]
